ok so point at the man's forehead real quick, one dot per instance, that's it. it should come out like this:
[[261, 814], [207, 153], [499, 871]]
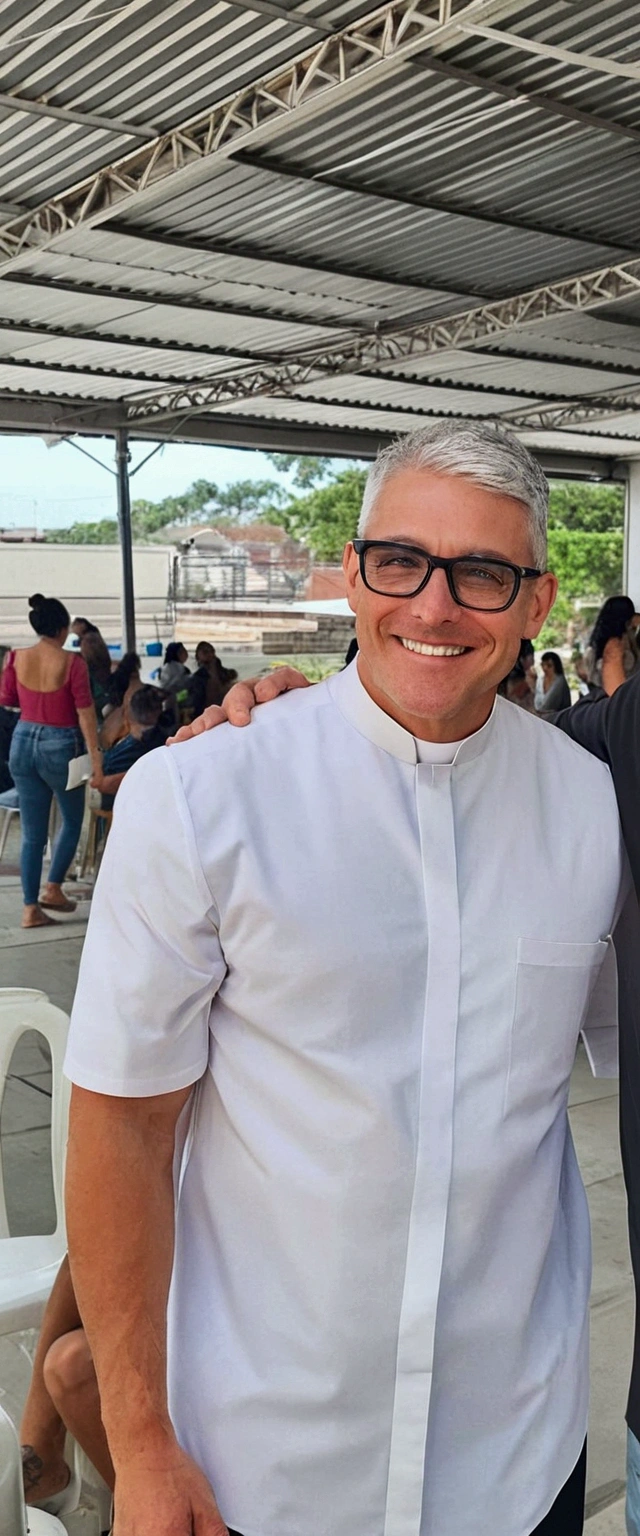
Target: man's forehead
[[429, 486], [418, 505]]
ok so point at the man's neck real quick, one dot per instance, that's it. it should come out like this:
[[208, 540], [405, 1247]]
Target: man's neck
[[439, 730]]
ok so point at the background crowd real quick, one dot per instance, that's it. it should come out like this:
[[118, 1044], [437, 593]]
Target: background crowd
[[72, 716]]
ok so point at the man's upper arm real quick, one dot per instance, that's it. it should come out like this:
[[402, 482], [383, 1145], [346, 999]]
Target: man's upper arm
[[587, 723], [152, 961]]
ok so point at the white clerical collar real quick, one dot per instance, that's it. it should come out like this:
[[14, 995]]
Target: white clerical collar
[[359, 709]]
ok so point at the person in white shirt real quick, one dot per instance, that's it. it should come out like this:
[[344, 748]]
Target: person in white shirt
[[321, 1046]]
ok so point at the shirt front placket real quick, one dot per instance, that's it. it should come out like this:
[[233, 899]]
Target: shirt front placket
[[434, 1152]]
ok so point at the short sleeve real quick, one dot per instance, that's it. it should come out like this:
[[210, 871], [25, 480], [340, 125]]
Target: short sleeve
[[121, 756], [152, 960], [9, 683], [79, 683]]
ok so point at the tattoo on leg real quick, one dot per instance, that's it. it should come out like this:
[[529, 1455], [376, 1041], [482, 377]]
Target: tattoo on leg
[[32, 1467]]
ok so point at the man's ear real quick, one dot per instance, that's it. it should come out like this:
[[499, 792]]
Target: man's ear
[[351, 568], [541, 601]]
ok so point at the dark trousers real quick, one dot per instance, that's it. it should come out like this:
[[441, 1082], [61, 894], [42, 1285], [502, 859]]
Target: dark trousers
[[566, 1518]]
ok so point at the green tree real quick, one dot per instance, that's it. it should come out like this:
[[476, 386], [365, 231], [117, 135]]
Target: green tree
[[104, 532], [589, 508], [307, 470], [586, 536], [586, 564], [327, 516], [245, 500]]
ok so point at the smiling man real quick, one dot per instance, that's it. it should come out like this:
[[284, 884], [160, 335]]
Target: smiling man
[[366, 975]]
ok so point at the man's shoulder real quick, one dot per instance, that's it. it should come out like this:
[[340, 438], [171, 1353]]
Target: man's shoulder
[[271, 730]]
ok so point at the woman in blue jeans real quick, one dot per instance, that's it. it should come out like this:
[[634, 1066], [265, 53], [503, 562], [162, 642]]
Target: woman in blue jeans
[[50, 687]]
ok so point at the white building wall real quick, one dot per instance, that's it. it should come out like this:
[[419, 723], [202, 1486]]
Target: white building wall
[[632, 539], [87, 579]]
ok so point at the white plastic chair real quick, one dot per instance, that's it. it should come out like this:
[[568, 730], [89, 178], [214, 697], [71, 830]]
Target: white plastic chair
[[28, 1265], [6, 811], [13, 1514]]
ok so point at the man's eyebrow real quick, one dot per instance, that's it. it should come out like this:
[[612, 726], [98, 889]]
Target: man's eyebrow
[[467, 554]]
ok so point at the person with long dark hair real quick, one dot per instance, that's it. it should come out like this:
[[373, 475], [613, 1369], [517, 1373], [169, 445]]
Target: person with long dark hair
[[95, 651], [614, 622], [174, 671], [51, 688], [553, 691], [124, 682]]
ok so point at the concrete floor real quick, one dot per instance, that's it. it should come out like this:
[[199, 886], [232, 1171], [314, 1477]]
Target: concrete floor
[[49, 960]]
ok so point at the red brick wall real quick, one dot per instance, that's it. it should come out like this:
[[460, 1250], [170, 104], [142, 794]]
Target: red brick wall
[[325, 581]]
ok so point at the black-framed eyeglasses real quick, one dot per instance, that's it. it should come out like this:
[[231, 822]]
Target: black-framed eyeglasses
[[403, 570]]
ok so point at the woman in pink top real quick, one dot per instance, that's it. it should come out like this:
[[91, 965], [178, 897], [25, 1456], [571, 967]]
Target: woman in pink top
[[50, 687]]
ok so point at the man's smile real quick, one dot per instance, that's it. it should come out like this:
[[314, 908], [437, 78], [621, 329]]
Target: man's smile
[[423, 649]]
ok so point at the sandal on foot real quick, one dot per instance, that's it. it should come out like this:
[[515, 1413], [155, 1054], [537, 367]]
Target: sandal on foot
[[61, 904]]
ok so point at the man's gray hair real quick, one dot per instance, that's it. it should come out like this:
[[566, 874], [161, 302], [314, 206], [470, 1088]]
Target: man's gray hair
[[481, 451]]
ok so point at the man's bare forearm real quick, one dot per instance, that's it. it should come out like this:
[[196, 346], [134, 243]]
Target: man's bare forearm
[[120, 1216]]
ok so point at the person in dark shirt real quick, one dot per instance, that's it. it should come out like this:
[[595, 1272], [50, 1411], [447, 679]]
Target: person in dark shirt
[[145, 733], [610, 728]]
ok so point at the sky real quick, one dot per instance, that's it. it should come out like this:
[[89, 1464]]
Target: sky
[[52, 487]]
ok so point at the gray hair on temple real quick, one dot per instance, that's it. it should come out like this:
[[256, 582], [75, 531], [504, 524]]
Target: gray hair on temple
[[481, 451]]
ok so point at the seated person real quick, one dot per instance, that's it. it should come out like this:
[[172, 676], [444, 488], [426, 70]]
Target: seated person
[[210, 682], [145, 732], [174, 672], [124, 682]]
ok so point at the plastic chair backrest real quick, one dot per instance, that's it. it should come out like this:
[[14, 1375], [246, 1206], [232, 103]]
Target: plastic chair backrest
[[21, 1009]]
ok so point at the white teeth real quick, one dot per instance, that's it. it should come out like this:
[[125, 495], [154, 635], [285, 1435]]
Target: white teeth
[[433, 650]]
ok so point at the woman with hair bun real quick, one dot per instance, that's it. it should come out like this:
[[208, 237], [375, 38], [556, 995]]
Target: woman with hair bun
[[50, 687]]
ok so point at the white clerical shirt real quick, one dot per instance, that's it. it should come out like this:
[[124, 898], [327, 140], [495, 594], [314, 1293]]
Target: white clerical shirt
[[376, 968]]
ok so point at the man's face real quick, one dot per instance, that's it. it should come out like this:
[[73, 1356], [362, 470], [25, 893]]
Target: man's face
[[443, 697]]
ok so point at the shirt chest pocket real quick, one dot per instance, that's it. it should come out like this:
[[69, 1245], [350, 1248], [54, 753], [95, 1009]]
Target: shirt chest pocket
[[554, 983]]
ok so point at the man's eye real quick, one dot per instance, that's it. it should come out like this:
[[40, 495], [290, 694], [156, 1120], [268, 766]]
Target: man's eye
[[483, 574], [403, 562]]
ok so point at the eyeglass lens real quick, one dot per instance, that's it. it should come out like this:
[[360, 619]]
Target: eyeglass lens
[[399, 572]]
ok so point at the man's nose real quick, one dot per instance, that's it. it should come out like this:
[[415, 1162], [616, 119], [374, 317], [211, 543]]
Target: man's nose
[[435, 604]]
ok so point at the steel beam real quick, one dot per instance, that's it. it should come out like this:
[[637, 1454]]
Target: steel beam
[[126, 542], [333, 71], [147, 297], [63, 418], [587, 408], [595, 63], [555, 417], [293, 18], [36, 108], [584, 292], [550, 106]]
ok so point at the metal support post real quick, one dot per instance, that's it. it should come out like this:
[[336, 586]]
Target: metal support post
[[124, 523]]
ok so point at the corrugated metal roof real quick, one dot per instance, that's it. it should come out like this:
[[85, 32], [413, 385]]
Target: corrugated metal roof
[[308, 220], [471, 171]]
